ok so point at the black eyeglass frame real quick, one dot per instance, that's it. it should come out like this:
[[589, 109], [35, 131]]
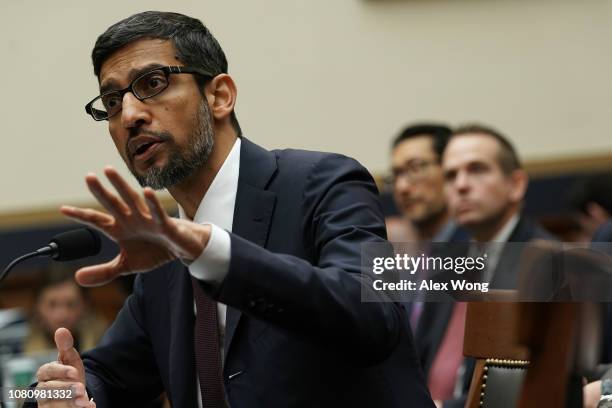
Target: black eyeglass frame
[[167, 70]]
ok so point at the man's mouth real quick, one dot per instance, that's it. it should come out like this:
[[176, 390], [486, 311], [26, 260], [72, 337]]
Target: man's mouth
[[409, 203], [143, 147], [147, 150], [465, 207]]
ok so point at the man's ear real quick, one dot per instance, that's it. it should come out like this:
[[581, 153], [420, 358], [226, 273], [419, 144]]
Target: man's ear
[[221, 93], [519, 181]]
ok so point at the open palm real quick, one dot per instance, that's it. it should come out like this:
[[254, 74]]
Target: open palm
[[146, 235]]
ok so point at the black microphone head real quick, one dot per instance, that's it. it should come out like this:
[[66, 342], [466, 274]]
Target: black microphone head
[[76, 244]]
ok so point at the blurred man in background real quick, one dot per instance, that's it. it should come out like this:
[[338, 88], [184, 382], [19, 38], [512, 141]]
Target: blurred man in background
[[418, 188], [418, 182], [485, 187]]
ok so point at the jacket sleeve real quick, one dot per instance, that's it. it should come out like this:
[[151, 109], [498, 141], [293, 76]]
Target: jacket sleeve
[[121, 370], [322, 300]]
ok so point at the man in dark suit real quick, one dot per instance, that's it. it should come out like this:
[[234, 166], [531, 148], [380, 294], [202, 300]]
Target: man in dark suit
[[485, 186], [418, 182], [269, 239], [418, 189]]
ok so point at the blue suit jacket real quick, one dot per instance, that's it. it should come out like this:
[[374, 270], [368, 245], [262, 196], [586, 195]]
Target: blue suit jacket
[[297, 332]]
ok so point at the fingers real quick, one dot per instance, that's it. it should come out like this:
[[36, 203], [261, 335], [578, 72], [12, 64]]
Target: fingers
[[77, 388], [129, 202], [132, 198], [155, 208], [67, 374], [101, 274], [78, 396], [110, 201], [93, 218], [56, 371], [67, 354]]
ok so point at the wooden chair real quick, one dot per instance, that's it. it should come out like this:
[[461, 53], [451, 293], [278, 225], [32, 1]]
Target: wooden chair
[[541, 340], [490, 338]]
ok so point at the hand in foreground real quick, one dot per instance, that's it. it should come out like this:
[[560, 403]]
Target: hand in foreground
[[146, 235], [66, 373]]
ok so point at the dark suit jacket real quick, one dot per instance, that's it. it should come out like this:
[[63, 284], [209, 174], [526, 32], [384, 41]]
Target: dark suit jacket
[[436, 315], [297, 332]]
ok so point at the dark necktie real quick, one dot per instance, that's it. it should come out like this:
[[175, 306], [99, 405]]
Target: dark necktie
[[206, 343]]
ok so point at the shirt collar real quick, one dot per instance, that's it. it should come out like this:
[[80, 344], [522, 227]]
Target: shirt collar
[[446, 232], [222, 190], [504, 234]]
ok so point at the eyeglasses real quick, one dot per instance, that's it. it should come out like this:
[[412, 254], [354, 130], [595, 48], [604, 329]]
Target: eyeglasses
[[413, 171], [145, 86]]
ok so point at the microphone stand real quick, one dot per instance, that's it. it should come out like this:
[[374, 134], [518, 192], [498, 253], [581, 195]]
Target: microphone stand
[[48, 250]]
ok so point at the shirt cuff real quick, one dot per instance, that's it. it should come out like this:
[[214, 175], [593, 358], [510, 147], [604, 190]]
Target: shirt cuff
[[213, 263]]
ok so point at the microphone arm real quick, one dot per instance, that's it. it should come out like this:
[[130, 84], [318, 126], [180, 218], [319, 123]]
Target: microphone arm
[[48, 250], [66, 246]]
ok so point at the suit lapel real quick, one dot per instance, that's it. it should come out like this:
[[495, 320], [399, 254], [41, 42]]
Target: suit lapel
[[506, 271], [252, 212]]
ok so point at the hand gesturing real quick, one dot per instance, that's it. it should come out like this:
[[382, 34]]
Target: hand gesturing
[[67, 373], [146, 235]]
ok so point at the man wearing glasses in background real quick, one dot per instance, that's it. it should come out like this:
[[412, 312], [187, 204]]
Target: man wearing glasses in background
[[266, 250], [418, 188], [418, 181]]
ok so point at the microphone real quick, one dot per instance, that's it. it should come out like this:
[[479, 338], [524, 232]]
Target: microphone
[[71, 245], [67, 246]]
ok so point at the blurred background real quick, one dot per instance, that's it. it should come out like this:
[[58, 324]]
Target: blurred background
[[342, 76]]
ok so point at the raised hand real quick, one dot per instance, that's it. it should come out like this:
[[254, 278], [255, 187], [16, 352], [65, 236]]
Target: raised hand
[[146, 235], [67, 373]]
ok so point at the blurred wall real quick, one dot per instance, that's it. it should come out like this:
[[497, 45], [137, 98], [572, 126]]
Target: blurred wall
[[336, 75]]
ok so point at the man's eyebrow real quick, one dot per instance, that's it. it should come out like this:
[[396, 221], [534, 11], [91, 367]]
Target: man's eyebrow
[[415, 160], [449, 172], [478, 162], [111, 85]]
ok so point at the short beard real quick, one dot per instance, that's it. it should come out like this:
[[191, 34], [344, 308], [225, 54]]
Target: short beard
[[182, 164]]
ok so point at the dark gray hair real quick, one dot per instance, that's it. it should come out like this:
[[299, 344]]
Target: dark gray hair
[[507, 157], [194, 43]]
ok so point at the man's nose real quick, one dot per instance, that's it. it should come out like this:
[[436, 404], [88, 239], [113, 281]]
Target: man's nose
[[404, 184], [462, 182], [134, 112]]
